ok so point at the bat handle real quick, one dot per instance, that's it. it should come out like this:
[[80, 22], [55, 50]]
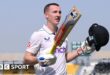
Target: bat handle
[[53, 48]]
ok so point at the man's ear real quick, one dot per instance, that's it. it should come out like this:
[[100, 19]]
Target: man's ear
[[46, 15]]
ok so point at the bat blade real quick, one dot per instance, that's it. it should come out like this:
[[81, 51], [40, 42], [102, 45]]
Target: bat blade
[[68, 24]]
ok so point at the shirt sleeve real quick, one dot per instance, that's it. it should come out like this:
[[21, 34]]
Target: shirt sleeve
[[34, 43]]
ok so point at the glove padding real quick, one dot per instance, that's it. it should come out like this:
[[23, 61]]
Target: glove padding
[[86, 49], [46, 59]]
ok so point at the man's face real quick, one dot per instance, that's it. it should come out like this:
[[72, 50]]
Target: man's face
[[53, 14]]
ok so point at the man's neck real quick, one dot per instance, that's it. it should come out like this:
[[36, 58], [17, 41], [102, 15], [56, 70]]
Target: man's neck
[[52, 27]]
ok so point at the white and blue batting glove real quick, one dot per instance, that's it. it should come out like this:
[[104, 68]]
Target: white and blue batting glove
[[46, 59], [86, 48]]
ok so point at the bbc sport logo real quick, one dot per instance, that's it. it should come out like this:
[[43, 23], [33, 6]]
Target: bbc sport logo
[[1, 66], [13, 66], [6, 66]]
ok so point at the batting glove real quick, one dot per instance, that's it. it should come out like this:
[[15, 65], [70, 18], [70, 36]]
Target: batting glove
[[87, 47], [46, 59]]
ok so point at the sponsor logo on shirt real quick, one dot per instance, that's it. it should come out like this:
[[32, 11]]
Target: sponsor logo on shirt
[[60, 50]]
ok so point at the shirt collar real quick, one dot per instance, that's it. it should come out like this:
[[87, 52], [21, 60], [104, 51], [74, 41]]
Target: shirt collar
[[48, 30]]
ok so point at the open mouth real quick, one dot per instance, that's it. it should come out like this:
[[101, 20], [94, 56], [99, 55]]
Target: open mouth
[[57, 19]]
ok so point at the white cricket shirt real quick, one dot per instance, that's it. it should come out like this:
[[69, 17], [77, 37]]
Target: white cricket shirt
[[39, 42]]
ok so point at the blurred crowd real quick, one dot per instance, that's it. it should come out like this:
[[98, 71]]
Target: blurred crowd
[[102, 67]]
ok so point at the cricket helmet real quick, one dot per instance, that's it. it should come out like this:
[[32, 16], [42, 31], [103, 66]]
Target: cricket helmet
[[100, 35]]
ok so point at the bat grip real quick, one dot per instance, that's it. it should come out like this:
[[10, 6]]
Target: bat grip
[[53, 48]]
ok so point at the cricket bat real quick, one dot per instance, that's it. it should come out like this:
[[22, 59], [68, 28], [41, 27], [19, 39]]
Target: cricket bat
[[66, 27]]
